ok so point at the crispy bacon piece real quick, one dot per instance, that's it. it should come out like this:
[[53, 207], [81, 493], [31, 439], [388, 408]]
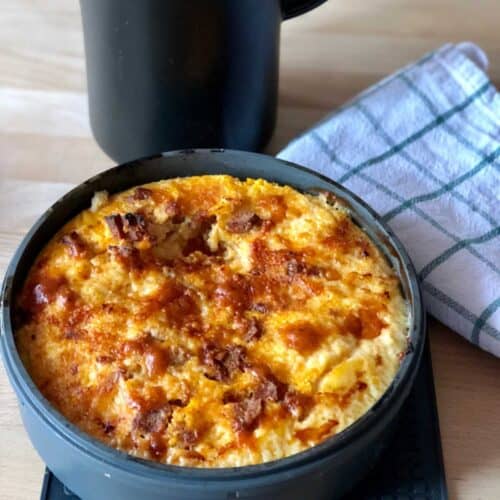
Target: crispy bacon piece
[[268, 390], [135, 227], [188, 437], [202, 224], [141, 193], [103, 358], [115, 224], [223, 362], [247, 413], [173, 211], [107, 428], [297, 404], [131, 227], [153, 420], [75, 245], [243, 221]]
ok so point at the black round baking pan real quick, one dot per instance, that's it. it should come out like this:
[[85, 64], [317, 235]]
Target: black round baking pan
[[95, 471]]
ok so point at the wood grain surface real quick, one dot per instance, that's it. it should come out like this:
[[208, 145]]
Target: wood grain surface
[[327, 56]]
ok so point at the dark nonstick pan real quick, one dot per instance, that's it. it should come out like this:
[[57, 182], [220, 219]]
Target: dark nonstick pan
[[95, 471]]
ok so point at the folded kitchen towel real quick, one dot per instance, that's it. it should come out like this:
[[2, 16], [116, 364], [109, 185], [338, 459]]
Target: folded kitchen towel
[[422, 147]]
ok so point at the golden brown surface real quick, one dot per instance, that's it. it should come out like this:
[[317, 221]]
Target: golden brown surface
[[212, 322]]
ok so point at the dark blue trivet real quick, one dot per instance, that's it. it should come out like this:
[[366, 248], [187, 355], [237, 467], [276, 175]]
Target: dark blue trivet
[[410, 469]]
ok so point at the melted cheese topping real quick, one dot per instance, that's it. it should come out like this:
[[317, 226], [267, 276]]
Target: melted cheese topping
[[211, 322]]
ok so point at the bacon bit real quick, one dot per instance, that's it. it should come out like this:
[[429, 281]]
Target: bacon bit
[[135, 227], [303, 337], [364, 250], [104, 359], [188, 437], [279, 263], [153, 420], [141, 193], [243, 221], [297, 404], [202, 224], [131, 227], [222, 362], [270, 388], [247, 413], [253, 330], [231, 397], [178, 402], [361, 386], [75, 245], [108, 427], [115, 224], [174, 212]]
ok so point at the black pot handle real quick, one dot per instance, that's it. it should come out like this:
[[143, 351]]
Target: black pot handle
[[292, 8]]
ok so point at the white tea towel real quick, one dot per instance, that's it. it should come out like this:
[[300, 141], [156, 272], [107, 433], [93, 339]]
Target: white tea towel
[[422, 148]]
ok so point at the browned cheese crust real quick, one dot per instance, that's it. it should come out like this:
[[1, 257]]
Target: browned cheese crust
[[211, 322]]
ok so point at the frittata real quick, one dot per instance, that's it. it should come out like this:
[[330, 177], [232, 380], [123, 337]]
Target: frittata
[[212, 322]]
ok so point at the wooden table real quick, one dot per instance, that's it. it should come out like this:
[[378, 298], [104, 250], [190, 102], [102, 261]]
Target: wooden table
[[327, 56]]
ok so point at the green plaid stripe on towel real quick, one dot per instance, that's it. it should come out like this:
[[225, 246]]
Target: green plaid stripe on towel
[[422, 147]]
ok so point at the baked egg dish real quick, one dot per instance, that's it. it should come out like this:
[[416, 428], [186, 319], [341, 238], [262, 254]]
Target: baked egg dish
[[212, 322]]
